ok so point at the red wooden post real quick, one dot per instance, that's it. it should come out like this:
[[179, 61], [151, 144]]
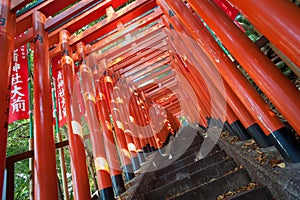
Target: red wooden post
[[7, 33], [45, 177], [236, 105], [204, 105], [139, 120], [101, 162], [145, 110], [119, 130], [277, 133], [109, 141], [283, 94], [96, 135], [278, 21], [119, 103], [125, 92], [106, 139], [143, 102], [75, 135]]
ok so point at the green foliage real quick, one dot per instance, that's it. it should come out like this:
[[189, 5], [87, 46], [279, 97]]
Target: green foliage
[[249, 28], [17, 142], [22, 180]]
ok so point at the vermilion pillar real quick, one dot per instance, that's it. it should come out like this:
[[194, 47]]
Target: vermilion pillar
[[175, 123], [139, 120], [76, 141], [204, 104], [119, 130], [109, 141], [142, 102], [270, 123], [178, 47], [278, 21], [136, 119], [96, 135], [45, 177], [236, 105], [101, 162], [145, 110], [283, 94], [125, 93], [7, 33], [123, 119]]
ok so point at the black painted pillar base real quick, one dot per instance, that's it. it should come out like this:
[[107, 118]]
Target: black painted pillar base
[[145, 149], [286, 144], [128, 172], [228, 128], [208, 121], [149, 148], [240, 130], [259, 136], [107, 194], [202, 127], [135, 163], [118, 184], [153, 148]]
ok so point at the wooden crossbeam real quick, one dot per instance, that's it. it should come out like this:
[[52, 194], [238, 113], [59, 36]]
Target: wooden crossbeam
[[164, 102], [48, 8], [70, 13], [173, 106], [150, 58], [140, 58], [154, 84], [163, 90], [113, 55], [127, 29], [96, 9], [153, 75], [165, 80], [159, 93], [149, 62], [147, 67], [109, 24], [115, 36], [175, 111], [76, 23]]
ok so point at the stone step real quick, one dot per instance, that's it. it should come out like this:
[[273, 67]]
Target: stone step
[[208, 161], [182, 162], [259, 193], [186, 137], [181, 151], [185, 181], [214, 188], [176, 146]]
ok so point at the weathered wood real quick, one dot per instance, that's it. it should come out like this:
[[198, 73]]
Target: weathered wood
[[29, 154]]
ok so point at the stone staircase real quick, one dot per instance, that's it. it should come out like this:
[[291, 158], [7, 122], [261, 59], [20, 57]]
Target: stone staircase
[[216, 176]]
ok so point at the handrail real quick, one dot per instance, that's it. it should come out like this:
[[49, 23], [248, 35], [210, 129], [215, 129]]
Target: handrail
[[10, 162], [29, 154]]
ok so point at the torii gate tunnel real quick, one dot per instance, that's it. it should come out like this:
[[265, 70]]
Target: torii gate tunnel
[[139, 69]]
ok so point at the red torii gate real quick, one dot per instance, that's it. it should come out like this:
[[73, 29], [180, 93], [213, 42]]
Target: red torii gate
[[44, 32]]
